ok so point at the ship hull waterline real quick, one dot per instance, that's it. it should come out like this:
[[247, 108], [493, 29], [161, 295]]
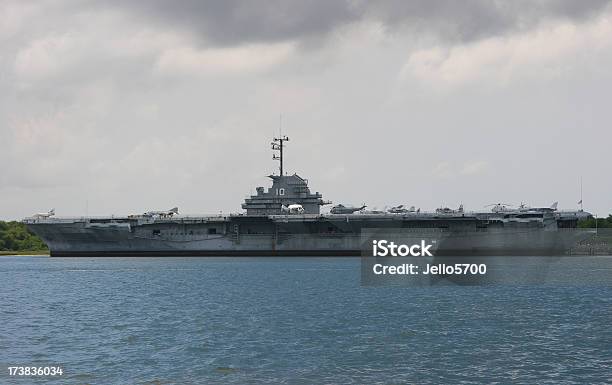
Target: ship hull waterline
[[120, 242]]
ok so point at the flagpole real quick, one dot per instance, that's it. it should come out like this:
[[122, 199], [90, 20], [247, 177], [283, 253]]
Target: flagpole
[[581, 193]]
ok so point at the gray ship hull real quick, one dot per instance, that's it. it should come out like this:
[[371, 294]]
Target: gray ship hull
[[192, 238]]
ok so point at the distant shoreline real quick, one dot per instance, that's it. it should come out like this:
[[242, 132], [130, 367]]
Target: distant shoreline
[[24, 253]]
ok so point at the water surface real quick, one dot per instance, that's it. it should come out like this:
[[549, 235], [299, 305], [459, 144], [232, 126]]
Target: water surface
[[289, 321]]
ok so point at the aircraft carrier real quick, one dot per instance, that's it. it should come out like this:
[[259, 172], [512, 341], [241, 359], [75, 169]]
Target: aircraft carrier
[[286, 219]]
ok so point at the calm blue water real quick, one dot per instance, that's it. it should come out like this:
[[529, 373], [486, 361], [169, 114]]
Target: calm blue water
[[289, 321]]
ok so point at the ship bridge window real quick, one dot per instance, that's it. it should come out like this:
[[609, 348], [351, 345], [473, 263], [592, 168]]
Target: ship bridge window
[[156, 232], [212, 230]]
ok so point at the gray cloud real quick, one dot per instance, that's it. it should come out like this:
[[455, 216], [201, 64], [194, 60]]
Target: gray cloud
[[461, 21], [233, 22]]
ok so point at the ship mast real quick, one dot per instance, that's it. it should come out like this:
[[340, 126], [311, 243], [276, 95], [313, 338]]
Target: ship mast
[[581, 194], [277, 145]]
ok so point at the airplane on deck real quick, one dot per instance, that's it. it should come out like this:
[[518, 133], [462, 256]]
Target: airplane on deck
[[293, 209], [48, 214], [162, 214], [342, 209]]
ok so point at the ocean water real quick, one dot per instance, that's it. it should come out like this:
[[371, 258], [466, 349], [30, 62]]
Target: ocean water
[[289, 321]]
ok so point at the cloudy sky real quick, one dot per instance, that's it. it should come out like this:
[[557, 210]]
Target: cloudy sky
[[121, 107]]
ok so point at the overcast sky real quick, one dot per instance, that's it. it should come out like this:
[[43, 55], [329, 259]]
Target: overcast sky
[[122, 107]]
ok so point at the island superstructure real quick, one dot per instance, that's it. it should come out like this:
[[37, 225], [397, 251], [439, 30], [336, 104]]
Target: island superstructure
[[286, 219]]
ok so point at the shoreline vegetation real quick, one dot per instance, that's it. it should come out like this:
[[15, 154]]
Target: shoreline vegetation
[[16, 239], [602, 223]]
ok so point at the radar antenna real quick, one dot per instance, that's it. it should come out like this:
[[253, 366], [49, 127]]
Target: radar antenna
[[277, 145]]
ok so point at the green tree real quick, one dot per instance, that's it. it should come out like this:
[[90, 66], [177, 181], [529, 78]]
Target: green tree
[[15, 236], [602, 223]]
